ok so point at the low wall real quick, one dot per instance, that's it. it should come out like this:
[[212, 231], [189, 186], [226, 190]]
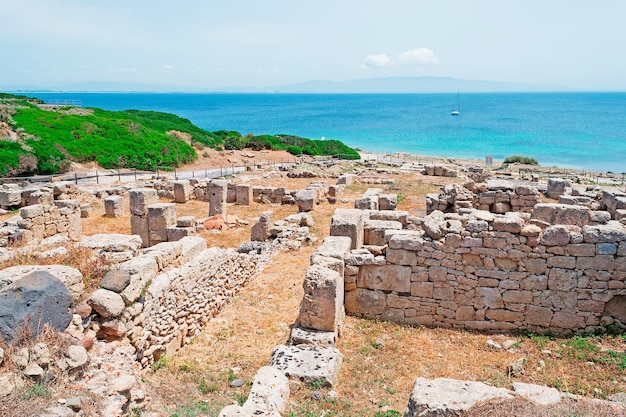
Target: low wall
[[178, 303], [496, 273]]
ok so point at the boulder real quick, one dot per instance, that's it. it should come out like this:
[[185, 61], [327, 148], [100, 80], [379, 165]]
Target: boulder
[[306, 199], [308, 363], [35, 300], [70, 277], [115, 280]]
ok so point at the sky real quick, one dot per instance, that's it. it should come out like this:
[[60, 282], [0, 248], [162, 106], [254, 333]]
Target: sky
[[213, 45]]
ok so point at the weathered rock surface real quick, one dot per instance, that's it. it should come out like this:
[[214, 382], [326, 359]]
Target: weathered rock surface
[[308, 363], [35, 300]]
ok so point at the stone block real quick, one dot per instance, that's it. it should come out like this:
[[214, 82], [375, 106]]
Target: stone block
[[182, 191], [387, 201], [346, 179], [308, 363], [260, 231], [306, 199], [538, 316], [561, 214], [176, 233], [557, 187], [140, 199], [10, 198], [243, 194], [385, 277], [369, 202], [322, 305], [374, 231], [366, 303], [449, 397], [218, 190], [113, 206], [555, 236], [348, 222], [334, 247], [160, 217], [302, 336], [139, 226]]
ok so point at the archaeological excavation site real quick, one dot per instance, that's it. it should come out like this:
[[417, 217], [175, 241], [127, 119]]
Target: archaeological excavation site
[[383, 287]]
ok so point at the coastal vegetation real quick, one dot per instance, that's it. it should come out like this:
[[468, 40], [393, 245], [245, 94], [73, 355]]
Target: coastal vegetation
[[520, 159], [47, 139]]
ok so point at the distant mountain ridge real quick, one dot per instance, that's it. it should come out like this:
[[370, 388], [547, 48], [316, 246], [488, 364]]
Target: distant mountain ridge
[[412, 85], [366, 85]]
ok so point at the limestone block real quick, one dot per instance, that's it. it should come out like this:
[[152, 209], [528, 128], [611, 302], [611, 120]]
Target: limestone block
[[557, 187], [334, 247], [176, 233], [561, 214], [346, 179], [306, 199], [218, 190], [260, 230], [269, 392], [113, 206], [434, 224], [243, 194], [538, 316], [392, 215], [30, 212], [387, 201], [308, 363], [385, 277], [408, 240], [369, 202], [511, 224], [348, 222], [165, 253], [374, 231], [302, 336], [140, 199], [613, 232], [322, 305], [366, 303], [555, 236], [182, 191], [443, 397], [160, 217], [141, 269], [10, 198], [139, 226]]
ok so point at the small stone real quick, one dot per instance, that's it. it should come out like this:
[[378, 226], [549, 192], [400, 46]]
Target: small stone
[[317, 396], [83, 310], [123, 383], [77, 356], [34, 371], [493, 345], [236, 383], [333, 394], [509, 344], [21, 358], [75, 403], [41, 354], [516, 368]]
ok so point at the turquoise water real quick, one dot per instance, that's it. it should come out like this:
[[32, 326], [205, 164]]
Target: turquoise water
[[574, 130]]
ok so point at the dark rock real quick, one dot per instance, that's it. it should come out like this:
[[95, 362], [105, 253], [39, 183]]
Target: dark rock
[[115, 280], [33, 301]]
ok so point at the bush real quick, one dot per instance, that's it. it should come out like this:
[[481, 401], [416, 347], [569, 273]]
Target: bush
[[520, 159], [294, 150]]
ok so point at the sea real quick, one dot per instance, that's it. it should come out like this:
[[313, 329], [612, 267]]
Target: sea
[[568, 130]]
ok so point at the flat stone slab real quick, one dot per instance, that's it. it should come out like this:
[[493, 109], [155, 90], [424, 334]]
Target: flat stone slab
[[307, 363], [449, 397], [538, 394], [302, 336]]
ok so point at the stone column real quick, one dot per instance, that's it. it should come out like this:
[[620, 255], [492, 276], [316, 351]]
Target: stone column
[[140, 199]]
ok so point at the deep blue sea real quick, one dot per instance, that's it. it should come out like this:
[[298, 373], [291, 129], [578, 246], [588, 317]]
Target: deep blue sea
[[572, 130]]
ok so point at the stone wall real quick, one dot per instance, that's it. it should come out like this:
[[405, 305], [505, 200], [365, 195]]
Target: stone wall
[[495, 272], [496, 196], [41, 221], [179, 302]]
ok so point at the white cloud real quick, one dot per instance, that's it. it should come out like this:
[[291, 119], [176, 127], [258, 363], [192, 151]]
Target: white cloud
[[378, 61], [413, 57], [419, 56]]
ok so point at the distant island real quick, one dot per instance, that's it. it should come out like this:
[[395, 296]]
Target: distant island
[[41, 139]]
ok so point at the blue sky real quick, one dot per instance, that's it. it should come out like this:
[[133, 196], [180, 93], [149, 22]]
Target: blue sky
[[203, 45]]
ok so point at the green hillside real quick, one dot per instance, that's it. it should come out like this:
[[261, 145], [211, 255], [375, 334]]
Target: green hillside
[[50, 139]]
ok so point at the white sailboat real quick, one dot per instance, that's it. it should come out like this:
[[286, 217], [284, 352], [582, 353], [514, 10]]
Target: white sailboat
[[457, 111]]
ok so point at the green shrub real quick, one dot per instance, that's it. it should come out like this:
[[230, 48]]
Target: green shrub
[[520, 159], [294, 150]]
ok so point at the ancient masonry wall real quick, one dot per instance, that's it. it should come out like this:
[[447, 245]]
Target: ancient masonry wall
[[490, 272], [179, 302], [41, 221]]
